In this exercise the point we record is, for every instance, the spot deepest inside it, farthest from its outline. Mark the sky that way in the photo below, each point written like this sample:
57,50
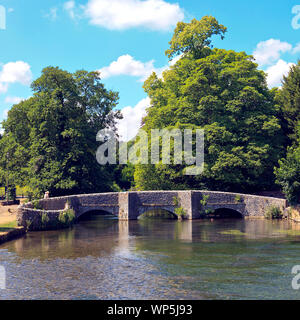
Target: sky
126,39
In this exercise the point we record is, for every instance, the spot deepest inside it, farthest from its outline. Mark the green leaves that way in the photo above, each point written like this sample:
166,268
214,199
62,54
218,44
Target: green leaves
288,175
54,133
222,92
193,37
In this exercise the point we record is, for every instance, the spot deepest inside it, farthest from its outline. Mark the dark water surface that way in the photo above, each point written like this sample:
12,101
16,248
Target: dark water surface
103,258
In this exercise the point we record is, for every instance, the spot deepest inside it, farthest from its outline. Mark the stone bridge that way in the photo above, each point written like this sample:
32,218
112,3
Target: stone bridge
130,205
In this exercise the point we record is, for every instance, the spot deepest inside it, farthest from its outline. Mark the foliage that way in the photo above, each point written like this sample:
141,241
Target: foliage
45,219
288,175
224,93
180,212
37,205
175,201
51,137
67,218
288,99
238,198
273,212
203,201
11,193
193,37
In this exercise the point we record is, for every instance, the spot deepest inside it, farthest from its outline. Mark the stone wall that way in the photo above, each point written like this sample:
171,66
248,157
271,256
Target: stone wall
129,205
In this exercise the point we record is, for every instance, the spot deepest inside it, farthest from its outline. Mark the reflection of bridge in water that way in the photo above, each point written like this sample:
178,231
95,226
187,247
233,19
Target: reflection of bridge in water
114,236
130,205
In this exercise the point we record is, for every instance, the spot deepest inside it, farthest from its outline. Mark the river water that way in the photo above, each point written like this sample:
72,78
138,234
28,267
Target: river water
103,258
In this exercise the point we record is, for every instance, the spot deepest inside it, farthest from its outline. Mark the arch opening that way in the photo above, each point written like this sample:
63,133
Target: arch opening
157,214
96,215
225,213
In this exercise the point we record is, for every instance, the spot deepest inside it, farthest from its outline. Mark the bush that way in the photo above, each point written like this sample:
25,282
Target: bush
288,175
45,220
67,218
273,212
180,212
238,198
11,193
37,205
175,201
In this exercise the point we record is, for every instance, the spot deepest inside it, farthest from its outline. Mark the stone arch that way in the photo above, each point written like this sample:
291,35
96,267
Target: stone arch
228,213
143,209
86,210
240,209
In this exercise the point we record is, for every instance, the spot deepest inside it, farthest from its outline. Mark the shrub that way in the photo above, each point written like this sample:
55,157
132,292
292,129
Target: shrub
204,200
45,219
37,205
175,201
288,175
180,212
203,203
273,212
238,198
67,218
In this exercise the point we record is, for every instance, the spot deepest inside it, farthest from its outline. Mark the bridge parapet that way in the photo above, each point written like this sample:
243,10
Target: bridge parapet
129,205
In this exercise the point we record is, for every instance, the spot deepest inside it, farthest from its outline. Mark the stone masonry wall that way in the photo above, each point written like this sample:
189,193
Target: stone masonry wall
129,205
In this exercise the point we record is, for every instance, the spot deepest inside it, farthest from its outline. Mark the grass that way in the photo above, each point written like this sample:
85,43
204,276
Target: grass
234,232
289,232
8,226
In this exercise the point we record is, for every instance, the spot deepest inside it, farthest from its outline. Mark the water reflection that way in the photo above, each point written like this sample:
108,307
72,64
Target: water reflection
103,258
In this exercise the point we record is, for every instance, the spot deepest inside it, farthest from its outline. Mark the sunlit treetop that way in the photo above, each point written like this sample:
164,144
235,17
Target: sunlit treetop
193,37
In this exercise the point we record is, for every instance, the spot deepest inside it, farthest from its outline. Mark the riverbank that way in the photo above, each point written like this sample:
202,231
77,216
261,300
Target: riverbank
9,229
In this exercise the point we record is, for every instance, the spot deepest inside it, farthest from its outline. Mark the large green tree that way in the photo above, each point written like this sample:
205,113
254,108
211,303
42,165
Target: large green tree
54,133
288,175
222,92
288,99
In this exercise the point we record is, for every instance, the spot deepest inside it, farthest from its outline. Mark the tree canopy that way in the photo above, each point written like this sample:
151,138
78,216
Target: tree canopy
288,99
288,172
51,137
193,37
222,92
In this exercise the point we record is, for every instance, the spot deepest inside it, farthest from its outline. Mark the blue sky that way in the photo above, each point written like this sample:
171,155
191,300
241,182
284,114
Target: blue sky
126,40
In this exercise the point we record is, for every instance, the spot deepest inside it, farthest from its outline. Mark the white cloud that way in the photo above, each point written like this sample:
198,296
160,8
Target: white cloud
129,126
69,6
126,14
11,10
18,71
13,100
267,52
296,48
127,65
52,15
276,72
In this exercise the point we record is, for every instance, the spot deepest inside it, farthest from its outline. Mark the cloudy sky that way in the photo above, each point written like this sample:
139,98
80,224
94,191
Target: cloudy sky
126,41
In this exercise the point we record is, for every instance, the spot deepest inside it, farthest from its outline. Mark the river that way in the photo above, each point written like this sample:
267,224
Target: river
103,258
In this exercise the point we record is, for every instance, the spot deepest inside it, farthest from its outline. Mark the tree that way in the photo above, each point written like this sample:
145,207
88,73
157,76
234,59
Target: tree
193,37
288,175
55,133
288,99
224,93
